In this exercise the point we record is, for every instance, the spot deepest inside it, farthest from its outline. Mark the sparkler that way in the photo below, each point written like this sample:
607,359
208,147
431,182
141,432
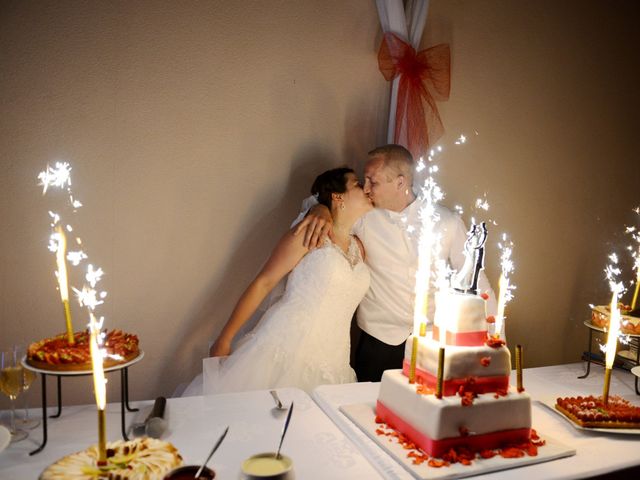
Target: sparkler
430,195
635,253
63,279
612,271
99,385
505,285
88,297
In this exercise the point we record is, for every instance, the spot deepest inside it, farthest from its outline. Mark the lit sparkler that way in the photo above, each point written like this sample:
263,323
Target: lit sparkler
430,195
57,176
612,272
99,385
59,242
505,285
88,297
635,253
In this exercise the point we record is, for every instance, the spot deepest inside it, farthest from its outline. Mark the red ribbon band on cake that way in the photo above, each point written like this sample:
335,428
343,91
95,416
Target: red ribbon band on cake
461,339
452,386
425,77
437,448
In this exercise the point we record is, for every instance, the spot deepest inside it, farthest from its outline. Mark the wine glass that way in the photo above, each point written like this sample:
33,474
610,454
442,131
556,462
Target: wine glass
28,377
11,386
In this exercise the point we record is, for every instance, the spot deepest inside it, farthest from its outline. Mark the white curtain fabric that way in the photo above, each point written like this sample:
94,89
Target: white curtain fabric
408,23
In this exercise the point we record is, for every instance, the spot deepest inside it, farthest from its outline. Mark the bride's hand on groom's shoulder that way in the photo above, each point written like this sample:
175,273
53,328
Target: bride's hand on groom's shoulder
316,226
220,348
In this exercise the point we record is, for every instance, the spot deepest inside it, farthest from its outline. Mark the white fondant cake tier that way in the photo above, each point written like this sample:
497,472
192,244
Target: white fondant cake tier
460,312
460,362
433,423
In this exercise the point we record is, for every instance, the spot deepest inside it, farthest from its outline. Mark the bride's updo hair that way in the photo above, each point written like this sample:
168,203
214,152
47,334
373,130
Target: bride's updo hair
331,181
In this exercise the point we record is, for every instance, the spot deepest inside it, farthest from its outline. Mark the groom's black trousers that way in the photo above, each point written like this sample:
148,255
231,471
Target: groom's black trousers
374,357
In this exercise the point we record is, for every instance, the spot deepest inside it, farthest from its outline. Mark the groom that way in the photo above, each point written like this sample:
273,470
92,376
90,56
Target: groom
389,235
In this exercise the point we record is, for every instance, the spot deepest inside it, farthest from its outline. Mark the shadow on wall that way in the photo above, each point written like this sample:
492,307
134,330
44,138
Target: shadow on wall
365,129
186,360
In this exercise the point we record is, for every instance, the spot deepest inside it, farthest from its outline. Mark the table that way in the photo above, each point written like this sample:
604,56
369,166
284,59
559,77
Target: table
124,391
597,453
318,448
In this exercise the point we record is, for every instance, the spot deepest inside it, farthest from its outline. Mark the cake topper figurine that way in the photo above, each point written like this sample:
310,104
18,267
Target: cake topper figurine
466,280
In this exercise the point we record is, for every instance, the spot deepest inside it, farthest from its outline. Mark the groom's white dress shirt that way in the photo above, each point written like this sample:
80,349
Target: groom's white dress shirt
386,312
391,249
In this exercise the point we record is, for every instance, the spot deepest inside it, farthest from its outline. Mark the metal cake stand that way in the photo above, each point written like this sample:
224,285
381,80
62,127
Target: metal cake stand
589,357
124,391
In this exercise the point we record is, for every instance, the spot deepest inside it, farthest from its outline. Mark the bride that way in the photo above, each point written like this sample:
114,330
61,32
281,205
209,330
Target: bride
303,339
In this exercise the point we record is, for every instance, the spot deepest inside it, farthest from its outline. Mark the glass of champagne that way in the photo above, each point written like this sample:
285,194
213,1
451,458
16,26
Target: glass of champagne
28,376
11,386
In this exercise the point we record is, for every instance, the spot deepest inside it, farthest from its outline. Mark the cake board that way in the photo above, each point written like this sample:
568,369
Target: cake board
363,416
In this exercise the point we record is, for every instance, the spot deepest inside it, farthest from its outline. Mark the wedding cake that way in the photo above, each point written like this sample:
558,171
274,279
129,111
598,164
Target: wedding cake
478,410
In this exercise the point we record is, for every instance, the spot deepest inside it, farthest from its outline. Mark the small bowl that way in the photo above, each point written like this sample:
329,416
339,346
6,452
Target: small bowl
265,466
188,472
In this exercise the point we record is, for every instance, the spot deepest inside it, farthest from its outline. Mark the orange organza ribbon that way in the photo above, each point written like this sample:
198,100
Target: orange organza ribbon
424,78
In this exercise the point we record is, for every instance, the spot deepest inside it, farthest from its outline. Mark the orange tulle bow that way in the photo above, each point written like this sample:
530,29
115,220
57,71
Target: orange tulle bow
424,78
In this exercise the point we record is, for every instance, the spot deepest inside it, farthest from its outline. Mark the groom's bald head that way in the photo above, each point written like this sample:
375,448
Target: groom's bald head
388,177
396,158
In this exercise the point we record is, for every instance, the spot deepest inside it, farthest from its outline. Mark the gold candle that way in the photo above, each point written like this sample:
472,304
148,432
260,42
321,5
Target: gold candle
63,282
440,372
635,292
102,438
414,355
605,390
519,368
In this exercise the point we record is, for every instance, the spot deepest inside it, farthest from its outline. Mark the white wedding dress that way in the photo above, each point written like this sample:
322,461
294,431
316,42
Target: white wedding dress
303,340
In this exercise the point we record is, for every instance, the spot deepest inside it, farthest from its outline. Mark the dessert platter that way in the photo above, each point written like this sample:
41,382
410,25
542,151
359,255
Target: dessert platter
142,458
629,319
587,413
478,423
56,354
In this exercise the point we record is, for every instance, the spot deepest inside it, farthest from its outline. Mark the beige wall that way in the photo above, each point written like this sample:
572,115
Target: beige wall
195,128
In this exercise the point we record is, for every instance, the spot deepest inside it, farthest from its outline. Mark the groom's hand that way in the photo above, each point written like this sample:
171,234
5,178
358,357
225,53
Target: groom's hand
316,226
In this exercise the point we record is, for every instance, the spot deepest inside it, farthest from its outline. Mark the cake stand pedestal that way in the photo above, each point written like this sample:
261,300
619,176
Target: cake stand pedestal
124,392
590,357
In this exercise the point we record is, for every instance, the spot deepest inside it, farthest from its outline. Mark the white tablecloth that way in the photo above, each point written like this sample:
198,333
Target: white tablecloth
318,448
597,453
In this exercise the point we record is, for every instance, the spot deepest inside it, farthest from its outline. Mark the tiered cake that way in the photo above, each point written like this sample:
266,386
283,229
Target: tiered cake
478,410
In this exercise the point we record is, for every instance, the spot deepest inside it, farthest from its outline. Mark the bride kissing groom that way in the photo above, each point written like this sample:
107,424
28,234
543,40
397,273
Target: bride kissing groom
303,340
